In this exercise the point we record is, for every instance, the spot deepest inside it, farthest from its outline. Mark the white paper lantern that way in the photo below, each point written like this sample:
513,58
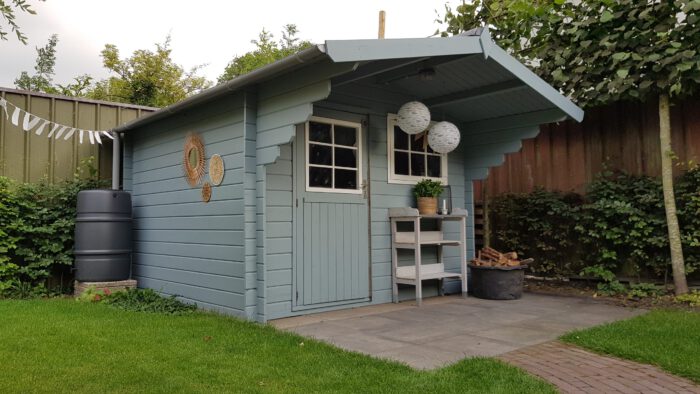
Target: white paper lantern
413,117
443,137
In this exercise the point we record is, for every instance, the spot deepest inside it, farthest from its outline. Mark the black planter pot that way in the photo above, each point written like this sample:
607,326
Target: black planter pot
497,283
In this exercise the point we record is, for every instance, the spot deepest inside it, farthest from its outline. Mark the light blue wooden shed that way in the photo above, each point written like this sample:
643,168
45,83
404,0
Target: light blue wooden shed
313,161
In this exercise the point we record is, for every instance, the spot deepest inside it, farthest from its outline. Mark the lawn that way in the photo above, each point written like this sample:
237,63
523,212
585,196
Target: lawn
667,338
66,346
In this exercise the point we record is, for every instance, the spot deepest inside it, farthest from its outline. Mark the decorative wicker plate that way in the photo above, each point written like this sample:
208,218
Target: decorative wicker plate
193,160
216,169
206,192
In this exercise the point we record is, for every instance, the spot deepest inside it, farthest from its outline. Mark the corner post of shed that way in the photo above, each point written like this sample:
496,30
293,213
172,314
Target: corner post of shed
116,161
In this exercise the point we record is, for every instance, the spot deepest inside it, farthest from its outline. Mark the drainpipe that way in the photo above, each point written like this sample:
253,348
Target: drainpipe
116,161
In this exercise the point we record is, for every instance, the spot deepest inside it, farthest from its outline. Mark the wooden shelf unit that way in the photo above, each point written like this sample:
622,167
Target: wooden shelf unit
415,274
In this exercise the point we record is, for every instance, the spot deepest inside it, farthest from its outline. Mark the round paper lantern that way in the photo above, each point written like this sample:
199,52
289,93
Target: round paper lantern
443,137
413,117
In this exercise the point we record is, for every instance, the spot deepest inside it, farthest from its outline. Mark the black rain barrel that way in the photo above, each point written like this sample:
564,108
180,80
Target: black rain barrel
103,236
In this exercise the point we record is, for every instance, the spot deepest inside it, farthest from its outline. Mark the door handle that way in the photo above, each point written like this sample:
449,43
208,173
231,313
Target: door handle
364,189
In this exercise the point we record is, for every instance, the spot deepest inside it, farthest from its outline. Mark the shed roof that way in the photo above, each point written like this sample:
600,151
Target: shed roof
470,69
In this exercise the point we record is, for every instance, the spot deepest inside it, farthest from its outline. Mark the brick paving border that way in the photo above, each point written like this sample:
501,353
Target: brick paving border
574,370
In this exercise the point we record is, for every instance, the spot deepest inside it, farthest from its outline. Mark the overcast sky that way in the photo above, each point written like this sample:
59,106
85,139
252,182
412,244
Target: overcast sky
203,31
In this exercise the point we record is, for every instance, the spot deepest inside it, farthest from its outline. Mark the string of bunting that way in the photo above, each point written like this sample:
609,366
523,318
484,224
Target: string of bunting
40,125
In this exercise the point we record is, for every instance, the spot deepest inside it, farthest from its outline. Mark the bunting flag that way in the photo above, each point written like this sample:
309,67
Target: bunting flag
31,122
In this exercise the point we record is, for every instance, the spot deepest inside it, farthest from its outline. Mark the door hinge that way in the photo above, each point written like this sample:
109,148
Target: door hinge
297,203
297,296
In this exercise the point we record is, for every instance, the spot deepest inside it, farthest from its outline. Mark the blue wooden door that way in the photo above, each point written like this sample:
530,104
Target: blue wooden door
331,244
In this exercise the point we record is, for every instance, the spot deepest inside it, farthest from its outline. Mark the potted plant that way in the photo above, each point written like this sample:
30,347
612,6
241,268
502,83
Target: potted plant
427,192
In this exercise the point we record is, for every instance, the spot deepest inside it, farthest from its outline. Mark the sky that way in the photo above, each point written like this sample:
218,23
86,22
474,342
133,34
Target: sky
203,32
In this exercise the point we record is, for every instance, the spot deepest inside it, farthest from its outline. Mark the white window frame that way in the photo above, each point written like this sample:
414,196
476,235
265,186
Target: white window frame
332,189
407,179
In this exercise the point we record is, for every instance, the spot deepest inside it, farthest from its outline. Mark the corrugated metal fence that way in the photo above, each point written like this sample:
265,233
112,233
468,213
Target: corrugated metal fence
28,157
568,155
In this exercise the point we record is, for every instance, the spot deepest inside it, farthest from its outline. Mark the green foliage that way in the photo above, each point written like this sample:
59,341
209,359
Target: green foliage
147,300
610,285
618,226
36,228
692,298
597,51
41,81
148,78
8,8
267,50
428,188
624,222
644,290
538,225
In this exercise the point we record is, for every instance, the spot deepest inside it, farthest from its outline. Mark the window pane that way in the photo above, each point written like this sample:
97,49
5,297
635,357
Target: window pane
400,138
346,157
345,136
401,163
320,132
417,142
345,179
320,154
417,164
319,177
434,166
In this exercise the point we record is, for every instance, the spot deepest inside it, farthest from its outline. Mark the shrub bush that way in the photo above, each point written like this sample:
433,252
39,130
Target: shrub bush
618,226
36,232
538,225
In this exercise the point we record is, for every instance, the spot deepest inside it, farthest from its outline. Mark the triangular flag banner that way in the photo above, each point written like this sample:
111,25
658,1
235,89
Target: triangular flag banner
30,121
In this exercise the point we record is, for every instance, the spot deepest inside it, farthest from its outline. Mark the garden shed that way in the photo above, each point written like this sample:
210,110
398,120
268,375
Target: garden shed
312,161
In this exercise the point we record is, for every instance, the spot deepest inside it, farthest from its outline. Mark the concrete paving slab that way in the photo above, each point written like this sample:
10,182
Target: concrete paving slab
446,329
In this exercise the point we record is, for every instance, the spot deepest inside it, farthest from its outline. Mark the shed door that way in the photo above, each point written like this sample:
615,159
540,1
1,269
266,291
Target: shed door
331,242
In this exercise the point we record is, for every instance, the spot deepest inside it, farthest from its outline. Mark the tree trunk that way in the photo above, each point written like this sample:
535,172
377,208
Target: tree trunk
674,234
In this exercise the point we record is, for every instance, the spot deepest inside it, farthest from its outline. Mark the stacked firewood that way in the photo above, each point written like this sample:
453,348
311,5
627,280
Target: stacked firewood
490,257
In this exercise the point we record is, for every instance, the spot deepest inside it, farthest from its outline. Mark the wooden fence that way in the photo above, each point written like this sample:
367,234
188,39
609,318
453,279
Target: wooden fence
27,157
568,155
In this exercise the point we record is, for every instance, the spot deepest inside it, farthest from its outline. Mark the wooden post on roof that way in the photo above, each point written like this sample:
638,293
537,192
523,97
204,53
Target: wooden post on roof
382,23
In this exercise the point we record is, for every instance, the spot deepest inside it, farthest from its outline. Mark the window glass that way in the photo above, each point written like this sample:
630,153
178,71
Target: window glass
345,157
411,158
434,166
401,163
320,176
417,164
345,179
320,132
345,135
320,154
333,156
400,139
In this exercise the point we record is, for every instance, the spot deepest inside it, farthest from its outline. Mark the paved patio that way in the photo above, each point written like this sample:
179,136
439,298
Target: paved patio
447,329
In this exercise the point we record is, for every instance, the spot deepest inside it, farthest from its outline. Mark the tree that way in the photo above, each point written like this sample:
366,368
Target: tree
42,81
267,51
601,51
149,78
8,8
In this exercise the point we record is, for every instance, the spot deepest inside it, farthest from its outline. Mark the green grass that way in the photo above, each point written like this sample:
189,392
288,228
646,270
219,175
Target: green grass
667,338
63,345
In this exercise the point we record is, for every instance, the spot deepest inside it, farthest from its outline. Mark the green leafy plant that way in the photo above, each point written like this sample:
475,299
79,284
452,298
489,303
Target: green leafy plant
147,300
93,294
609,285
539,225
36,231
644,290
692,298
428,188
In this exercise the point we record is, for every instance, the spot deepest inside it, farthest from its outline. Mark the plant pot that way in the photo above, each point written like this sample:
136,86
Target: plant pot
497,283
427,205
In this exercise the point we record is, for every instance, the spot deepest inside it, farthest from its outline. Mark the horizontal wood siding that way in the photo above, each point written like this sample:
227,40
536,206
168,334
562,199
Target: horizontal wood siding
279,200
182,245
623,136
